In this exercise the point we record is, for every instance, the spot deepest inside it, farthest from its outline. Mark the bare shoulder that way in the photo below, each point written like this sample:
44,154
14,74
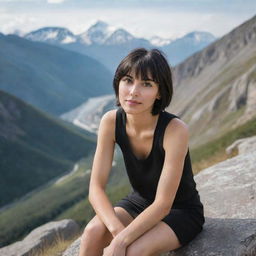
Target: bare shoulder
109,116
177,125
176,130
108,122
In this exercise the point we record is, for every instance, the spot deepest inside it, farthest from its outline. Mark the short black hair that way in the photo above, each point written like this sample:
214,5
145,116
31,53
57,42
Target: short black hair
143,62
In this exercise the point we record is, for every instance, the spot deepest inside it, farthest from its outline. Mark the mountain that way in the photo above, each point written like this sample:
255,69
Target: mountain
120,36
52,35
35,147
96,34
49,77
215,89
89,114
182,48
109,45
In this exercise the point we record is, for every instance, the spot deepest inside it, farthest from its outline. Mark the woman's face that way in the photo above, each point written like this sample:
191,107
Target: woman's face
136,95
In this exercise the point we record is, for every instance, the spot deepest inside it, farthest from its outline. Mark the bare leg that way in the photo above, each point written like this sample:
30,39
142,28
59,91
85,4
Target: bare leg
160,239
96,235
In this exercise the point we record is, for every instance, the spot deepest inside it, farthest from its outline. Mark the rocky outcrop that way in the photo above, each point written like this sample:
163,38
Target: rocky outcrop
73,249
244,145
228,191
223,237
42,237
220,237
215,89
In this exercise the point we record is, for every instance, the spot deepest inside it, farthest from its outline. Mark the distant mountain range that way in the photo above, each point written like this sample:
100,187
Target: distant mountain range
214,89
35,147
51,78
109,45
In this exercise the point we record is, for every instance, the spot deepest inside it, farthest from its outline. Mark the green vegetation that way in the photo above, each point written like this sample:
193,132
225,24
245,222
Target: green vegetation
35,148
49,77
68,198
214,151
50,204
43,205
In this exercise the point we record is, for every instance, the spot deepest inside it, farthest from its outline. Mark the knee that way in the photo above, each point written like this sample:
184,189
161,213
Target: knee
93,231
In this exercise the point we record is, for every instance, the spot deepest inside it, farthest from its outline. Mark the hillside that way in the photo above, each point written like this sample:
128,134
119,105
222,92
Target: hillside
49,77
35,147
215,89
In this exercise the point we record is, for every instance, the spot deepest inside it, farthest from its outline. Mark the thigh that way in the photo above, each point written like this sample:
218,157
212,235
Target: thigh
186,223
97,228
159,239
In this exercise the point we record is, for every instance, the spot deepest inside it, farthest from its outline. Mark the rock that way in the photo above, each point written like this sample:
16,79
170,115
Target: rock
73,249
228,193
220,237
42,237
223,237
243,145
228,189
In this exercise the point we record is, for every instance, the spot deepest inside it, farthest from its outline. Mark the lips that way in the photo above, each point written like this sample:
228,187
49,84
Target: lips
133,101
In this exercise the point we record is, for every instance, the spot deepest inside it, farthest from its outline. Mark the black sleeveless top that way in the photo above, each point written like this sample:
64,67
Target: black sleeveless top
144,174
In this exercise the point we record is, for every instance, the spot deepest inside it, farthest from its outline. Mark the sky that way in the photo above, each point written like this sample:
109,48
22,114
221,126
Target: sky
142,18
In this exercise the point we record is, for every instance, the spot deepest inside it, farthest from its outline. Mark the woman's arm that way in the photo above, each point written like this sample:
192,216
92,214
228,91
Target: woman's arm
101,167
176,145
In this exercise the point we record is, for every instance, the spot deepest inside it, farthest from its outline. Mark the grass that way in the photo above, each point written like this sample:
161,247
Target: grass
50,204
214,151
58,246
43,206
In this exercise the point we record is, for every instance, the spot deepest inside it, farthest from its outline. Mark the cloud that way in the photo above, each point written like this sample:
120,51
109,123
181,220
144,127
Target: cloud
55,1
164,21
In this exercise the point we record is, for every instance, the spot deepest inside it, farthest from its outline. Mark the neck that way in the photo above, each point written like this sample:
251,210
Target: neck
141,122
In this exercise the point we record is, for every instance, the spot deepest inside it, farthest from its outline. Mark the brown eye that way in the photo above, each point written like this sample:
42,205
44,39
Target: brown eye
147,84
127,79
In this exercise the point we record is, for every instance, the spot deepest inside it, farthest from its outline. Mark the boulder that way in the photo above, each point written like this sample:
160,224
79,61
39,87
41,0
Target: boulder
228,189
228,192
243,145
42,237
73,249
223,237
220,237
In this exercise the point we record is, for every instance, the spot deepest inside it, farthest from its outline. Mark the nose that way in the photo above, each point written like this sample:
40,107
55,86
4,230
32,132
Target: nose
134,89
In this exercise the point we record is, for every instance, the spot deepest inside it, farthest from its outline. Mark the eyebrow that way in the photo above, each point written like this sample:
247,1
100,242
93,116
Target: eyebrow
147,79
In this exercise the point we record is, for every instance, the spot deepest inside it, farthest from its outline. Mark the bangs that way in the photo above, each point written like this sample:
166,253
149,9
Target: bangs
147,65
143,69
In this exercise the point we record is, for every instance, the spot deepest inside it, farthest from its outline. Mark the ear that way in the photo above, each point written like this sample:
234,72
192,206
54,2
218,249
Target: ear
158,96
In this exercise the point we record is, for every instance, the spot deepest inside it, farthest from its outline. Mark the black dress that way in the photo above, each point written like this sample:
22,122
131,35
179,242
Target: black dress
186,217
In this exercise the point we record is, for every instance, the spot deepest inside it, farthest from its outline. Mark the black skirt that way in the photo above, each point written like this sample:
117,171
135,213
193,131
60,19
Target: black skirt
185,222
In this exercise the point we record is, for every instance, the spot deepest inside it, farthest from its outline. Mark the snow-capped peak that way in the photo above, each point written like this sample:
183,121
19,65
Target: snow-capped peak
52,35
97,33
158,41
199,37
120,36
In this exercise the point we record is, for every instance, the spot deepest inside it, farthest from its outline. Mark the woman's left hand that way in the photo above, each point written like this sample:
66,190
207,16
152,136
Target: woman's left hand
114,249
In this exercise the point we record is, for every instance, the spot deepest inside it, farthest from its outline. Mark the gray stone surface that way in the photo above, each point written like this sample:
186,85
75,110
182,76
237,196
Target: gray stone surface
228,189
42,237
73,249
245,145
228,192
223,237
220,237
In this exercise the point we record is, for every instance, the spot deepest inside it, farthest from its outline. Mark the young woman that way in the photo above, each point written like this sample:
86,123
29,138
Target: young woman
163,212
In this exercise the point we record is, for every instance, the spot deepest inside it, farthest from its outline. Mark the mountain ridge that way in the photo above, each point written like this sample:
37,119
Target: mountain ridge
108,44
218,81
